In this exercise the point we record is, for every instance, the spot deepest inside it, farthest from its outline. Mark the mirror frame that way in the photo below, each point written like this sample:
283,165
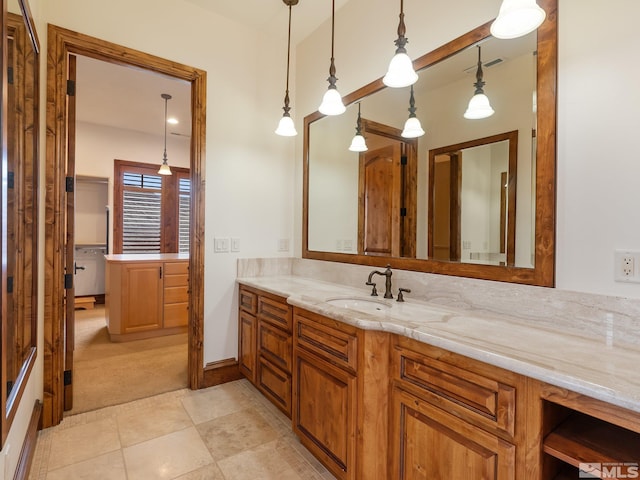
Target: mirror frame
543,273
27,197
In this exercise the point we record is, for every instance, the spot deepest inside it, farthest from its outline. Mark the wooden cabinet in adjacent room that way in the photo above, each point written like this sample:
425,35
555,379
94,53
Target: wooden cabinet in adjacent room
146,296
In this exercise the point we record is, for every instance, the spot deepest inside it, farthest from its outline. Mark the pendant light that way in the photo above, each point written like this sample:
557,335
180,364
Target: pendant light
358,143
479,106
164,168
332,100
400,73
412,127
286,128
517,18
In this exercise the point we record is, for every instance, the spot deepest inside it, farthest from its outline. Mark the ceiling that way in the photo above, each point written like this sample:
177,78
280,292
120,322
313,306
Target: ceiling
129,98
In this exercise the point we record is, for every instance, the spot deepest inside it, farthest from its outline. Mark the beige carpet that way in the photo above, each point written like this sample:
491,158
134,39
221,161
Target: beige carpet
106,373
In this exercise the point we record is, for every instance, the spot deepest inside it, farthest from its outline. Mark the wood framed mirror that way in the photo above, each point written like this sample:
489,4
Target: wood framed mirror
19,199
331,229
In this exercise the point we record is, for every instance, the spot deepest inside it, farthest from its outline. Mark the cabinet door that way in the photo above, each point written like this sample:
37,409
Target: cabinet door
247,345
141,297
427,442
324,412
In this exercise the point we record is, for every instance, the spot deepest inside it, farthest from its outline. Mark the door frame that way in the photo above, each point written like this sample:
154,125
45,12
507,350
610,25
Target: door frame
62,43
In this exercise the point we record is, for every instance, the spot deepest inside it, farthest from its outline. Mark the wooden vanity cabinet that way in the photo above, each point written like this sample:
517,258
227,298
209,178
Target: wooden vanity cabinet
340,395
453,417
265,345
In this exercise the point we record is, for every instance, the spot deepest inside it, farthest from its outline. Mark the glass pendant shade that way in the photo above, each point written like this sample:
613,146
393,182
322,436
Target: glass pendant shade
286,128
479,107
401,72
412,128
332,103
164,169
517,18
358,144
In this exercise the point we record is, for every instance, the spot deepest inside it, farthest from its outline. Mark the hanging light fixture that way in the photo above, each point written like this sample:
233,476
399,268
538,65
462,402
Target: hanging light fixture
412,127
517,18
479,106
400,73
358,143
332,100
286,128
164,168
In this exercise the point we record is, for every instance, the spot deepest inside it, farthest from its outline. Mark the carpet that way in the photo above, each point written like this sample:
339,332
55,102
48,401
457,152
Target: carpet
106,373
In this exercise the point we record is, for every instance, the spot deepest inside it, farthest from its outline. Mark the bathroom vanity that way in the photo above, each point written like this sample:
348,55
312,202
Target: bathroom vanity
378,389
147,295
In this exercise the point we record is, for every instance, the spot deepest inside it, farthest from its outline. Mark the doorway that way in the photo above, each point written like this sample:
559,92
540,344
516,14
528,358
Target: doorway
63,45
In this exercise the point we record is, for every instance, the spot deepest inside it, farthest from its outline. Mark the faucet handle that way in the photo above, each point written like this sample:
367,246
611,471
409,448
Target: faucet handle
374,292
400,296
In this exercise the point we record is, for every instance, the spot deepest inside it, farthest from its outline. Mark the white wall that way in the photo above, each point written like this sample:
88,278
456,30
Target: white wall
598,175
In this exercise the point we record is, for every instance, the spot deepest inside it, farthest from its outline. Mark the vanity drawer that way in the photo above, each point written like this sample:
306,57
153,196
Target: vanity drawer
334,341
248,301
275,311
275,384
488,402
176,268
275,344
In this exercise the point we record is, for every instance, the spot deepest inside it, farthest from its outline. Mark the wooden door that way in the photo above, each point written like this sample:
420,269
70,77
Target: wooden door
324,412
445,221
141,297
429,443
69,263
380,201
247,346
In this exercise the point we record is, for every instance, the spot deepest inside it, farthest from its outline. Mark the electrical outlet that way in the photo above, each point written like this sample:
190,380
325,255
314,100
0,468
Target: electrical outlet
347,245
626,262
283,245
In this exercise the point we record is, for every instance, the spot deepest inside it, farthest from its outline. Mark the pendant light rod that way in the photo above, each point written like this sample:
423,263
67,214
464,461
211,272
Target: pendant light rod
164,168
286,127
332,67
332,103
479,75
401,41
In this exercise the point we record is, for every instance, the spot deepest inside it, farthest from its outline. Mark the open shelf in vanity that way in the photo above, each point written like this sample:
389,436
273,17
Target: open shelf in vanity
579,434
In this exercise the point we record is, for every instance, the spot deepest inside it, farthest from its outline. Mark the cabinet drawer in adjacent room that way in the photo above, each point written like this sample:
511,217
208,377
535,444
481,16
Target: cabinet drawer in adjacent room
176,294
176,268
176,315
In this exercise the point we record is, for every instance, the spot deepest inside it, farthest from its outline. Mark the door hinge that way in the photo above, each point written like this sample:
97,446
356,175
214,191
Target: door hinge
68,184
403,212
10,179
68,377
403,160
71,88
9,284
68,281
10,75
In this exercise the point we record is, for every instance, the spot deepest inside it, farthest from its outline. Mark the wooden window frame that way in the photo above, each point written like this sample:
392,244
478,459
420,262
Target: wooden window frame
169,197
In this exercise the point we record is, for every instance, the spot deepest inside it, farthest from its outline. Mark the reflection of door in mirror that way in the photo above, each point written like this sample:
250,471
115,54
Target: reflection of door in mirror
472,208
387,193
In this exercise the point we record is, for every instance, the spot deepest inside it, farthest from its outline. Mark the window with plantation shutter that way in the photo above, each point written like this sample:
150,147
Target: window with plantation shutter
151,210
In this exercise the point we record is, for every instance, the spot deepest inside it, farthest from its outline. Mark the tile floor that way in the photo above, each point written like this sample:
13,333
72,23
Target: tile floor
227,432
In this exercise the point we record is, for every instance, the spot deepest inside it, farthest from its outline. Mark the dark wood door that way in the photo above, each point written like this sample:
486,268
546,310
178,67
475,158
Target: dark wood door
429,443
380,202
247,346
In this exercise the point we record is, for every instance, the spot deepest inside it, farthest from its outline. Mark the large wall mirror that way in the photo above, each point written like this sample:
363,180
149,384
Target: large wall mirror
20,202
472,198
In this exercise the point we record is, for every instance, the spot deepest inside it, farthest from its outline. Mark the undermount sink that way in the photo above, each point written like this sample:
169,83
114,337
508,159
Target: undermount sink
360,304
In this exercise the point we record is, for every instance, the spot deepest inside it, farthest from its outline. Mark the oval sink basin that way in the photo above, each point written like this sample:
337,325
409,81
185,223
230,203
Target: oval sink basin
365,305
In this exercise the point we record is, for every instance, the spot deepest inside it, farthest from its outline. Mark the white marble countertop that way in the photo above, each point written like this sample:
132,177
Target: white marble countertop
146,257
594,366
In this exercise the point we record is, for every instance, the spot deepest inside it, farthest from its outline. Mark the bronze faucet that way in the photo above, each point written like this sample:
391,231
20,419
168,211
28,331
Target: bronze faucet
387,291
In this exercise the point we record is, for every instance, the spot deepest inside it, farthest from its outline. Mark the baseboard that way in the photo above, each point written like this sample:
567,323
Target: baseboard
29,444
222,371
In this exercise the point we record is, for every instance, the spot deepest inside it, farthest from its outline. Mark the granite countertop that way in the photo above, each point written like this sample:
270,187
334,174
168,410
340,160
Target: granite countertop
145,257
594,366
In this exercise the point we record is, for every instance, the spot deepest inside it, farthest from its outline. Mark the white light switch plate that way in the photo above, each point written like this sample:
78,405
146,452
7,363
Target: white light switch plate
220,245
